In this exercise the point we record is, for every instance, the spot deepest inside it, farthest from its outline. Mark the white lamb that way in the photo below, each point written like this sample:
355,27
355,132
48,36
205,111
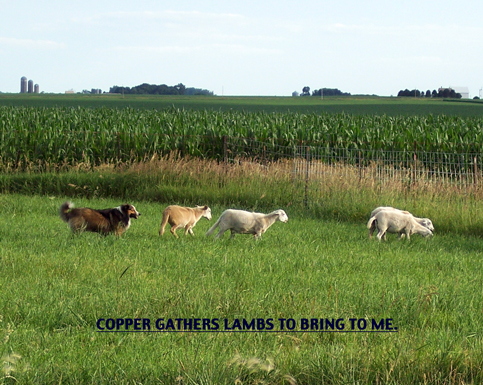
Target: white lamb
244,222
398,222
426,222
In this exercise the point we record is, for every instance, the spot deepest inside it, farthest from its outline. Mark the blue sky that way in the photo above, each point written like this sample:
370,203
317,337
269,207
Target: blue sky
243,47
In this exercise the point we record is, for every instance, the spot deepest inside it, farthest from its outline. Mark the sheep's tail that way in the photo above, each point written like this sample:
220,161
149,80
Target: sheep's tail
370,223
163,222
64,211
212,229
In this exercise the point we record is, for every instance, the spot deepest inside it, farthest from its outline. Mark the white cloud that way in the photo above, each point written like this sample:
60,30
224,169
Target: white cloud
156,50
175,17
238,49
31,44
424,31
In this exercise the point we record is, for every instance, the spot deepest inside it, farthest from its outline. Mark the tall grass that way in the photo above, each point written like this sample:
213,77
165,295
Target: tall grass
251,186
168,179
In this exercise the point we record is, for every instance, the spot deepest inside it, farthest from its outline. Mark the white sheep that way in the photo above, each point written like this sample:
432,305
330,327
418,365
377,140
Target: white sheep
426,222
186,217
244,222
398,222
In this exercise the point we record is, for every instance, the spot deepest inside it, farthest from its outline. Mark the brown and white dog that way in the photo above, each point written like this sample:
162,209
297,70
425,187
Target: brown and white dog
116,220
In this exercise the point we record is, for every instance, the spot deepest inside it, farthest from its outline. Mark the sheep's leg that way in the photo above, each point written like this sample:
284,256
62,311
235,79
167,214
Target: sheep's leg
232,234
371,230
381,234
187,229
220,233
173,231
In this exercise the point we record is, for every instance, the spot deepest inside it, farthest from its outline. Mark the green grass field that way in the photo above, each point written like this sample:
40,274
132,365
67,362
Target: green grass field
391,106
55,286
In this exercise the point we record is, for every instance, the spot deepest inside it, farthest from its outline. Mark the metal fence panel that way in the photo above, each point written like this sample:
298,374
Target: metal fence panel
314,164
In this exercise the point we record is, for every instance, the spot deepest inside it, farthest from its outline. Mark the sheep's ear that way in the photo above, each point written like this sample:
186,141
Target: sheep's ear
205,207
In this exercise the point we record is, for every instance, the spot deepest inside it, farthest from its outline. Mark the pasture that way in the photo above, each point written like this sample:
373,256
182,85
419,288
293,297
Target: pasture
55,286
102,151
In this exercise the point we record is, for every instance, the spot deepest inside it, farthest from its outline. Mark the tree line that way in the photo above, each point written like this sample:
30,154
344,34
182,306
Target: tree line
441,93
161,89
323,92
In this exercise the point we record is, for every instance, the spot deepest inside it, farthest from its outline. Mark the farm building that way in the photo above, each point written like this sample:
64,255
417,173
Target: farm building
463,91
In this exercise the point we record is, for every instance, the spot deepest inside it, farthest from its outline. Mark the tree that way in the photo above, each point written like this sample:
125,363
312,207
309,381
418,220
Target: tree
181,88
306,91
413,93
446,93
329,92
151,89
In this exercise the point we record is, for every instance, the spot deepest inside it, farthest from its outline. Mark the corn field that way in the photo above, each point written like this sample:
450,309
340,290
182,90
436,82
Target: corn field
439,147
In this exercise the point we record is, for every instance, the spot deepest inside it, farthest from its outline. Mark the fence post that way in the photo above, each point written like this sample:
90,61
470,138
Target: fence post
307,161
225,150
360,166
118,146
475,171
415,158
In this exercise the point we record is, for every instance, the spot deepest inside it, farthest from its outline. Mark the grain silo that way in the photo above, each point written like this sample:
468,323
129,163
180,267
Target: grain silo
31,86
23,84
36,89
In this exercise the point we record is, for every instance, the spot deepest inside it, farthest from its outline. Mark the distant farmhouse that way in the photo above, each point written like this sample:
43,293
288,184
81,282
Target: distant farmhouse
463,91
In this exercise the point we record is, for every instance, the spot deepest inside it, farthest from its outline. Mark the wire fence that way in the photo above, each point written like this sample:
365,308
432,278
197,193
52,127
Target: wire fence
311,162
408,169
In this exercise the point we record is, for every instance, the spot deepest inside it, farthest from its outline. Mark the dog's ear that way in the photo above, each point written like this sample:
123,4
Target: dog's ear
125,208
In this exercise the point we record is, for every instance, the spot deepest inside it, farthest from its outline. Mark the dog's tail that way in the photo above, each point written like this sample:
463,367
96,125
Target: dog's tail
212,229
64,211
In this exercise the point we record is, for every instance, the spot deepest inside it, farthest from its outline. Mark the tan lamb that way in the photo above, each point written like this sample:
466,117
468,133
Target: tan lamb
183,217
